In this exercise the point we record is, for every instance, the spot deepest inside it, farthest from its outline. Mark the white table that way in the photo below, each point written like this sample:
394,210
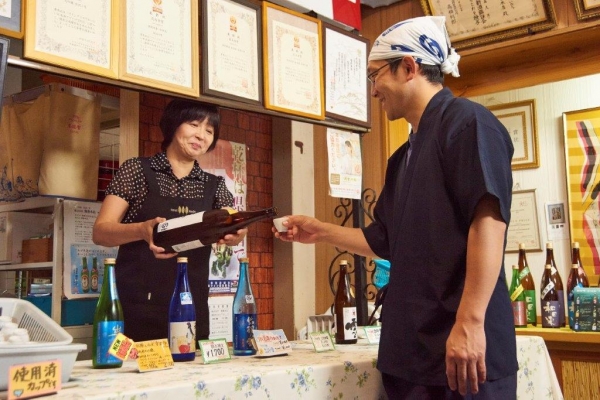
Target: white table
536,376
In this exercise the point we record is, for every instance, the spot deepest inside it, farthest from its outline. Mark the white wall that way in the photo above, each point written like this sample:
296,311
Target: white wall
549,180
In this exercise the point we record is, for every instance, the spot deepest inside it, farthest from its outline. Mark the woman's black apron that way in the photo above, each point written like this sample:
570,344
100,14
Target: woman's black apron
146,284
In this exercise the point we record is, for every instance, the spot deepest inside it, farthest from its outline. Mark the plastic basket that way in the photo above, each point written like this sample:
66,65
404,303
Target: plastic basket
42,329
382,273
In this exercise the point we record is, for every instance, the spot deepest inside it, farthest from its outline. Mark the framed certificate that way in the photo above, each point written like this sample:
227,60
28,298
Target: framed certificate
12,18
524,226
587,9
159,46
76,34
292,62
231,61
471,23
346,89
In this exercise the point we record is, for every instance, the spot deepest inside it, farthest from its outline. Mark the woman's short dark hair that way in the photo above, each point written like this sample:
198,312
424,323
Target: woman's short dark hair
179,111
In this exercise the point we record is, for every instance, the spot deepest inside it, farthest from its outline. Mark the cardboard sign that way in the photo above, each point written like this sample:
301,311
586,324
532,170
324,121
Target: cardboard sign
271,343
373,334
121,347
36,379
153,355
214,351
322,341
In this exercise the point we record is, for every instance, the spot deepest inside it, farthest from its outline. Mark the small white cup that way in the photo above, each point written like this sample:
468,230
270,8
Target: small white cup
278,222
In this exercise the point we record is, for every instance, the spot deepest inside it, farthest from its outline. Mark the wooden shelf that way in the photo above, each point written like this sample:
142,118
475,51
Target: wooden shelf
564,338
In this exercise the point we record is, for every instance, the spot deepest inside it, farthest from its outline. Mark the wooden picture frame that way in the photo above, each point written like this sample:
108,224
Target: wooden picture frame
347,95
12,19
502,20
524,225
587,9
582,145
159,46
231,50
50,40
293,62
520,120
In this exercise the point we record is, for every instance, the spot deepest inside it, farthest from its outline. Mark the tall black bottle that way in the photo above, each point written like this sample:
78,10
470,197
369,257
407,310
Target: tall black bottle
345,309
182,317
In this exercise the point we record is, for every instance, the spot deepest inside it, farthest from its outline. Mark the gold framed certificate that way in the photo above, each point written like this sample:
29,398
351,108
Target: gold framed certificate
346,90
76,34
231,61
587,9
12,18
292,62
159,46
471,23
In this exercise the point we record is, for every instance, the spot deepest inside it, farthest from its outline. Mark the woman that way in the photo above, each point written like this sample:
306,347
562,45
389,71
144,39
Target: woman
147,191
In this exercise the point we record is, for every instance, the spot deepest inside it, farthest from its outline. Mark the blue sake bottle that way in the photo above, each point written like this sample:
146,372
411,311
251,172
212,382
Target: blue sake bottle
244,314
108,320
182,317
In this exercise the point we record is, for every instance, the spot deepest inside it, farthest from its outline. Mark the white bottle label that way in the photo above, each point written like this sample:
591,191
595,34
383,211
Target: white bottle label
182,337
349,318
249,299
187,246
185,298
180,221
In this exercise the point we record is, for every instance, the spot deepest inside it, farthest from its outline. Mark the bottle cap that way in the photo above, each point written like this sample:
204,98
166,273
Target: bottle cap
182,259
109,261
515,267
244,259
576,245
522,246
548,245
343,262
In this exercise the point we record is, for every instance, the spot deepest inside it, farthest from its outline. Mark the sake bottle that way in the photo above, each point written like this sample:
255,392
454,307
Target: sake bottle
558,284
549,300
85,276
576,259
345,309
528,286
94,275
244,314
204,228
574,280
182,317
108,320
517,299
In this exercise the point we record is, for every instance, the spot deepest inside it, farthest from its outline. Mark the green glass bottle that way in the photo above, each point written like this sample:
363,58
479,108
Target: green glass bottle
108,320
517,299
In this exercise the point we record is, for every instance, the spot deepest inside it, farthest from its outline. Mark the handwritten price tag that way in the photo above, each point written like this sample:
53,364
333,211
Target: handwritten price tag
153,355
214,351
373,333
271,343
321,341
35,379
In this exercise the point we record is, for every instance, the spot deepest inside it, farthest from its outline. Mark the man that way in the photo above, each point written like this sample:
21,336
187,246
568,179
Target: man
441,221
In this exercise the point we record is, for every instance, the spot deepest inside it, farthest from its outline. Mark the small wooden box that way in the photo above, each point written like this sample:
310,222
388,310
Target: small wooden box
36,250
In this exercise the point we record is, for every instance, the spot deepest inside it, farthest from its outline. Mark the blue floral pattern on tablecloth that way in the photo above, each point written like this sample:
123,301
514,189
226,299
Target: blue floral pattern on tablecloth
536,378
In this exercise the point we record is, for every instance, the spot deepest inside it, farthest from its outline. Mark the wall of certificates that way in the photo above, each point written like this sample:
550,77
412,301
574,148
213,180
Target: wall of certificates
250,52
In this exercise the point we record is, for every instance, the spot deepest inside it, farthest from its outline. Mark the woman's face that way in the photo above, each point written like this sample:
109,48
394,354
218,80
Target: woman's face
193,138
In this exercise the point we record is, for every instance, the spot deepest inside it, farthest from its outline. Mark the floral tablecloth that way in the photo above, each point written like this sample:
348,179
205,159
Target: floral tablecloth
348,372
536,377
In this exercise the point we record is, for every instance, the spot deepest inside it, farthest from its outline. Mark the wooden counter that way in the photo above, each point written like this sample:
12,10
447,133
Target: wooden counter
575,357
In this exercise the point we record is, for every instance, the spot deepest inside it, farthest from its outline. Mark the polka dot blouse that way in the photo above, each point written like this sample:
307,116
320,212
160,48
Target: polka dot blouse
129,183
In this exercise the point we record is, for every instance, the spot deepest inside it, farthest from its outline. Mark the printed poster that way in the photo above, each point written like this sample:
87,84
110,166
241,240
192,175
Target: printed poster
345,164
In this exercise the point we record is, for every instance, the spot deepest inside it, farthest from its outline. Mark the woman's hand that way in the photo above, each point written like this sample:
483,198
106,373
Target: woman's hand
147,230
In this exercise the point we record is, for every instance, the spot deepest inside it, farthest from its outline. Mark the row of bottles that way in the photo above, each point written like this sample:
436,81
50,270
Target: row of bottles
109,321
552,292
89,280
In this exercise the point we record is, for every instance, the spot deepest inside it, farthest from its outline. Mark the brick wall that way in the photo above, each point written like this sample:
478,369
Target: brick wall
255,131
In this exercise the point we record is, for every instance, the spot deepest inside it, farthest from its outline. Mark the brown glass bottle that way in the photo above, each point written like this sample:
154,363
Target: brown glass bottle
345,309
574,280
576,259
558,284
549,300
204,228
528,286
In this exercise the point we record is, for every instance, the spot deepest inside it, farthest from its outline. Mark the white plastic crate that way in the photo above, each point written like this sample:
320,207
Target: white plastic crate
43,330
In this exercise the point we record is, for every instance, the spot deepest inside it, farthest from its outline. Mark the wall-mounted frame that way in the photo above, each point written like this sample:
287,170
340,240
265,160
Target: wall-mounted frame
4,45
587,9
159,46
345,65
231,50
12,18
524,224
582,147
293,62
500,20
84,37
520,120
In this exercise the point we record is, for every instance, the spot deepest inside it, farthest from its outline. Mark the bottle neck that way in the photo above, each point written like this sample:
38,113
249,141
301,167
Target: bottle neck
109,285
182,277
244,282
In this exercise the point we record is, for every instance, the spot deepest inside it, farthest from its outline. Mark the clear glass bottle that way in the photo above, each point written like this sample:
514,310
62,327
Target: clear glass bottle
85,276
108,320
345,309
94,275
558,283
244,314
182,317
517,299
528,286
549,300
574,280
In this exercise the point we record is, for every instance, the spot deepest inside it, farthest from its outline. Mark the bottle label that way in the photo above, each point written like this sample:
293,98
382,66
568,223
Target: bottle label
94,282
517,292
182,337
349,318
519,313
85,282
552,270
531,306
548,288
550,314
185,298
249,298
524,273
107,333
180,221
243,331
194,244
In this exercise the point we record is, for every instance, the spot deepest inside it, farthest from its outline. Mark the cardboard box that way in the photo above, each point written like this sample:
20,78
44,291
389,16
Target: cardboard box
587,309
36,250
15,227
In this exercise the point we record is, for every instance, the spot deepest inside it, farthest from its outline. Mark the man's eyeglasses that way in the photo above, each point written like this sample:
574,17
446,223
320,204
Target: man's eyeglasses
373,75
